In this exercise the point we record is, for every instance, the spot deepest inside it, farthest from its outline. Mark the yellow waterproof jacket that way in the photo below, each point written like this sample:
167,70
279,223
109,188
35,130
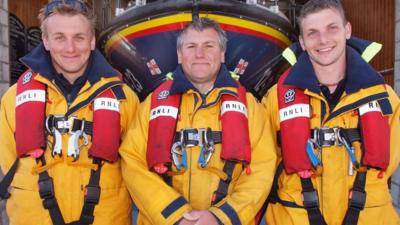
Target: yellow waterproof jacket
162,204
333,186
25,205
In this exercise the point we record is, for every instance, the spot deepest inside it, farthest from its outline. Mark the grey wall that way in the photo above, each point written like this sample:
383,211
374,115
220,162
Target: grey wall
4,52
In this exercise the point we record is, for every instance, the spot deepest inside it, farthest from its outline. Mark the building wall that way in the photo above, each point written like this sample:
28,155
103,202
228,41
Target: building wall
4,50
396,177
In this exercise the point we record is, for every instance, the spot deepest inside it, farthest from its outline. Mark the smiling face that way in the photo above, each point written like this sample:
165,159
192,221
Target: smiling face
69,40
323,36
201,56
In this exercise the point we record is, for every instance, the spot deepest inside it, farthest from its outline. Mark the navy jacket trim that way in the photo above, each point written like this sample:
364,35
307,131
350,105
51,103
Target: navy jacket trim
118,92
385,106
173,206
181,84
231,213
92,96
358,104
222,92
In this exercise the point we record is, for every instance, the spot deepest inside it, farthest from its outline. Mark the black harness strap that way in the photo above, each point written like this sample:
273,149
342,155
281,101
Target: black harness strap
92,196
356,200
311,202
46,192
223,185
7,179
273,194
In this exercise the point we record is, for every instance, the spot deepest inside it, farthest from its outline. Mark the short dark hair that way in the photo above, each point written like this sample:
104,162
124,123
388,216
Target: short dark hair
313,6
200,24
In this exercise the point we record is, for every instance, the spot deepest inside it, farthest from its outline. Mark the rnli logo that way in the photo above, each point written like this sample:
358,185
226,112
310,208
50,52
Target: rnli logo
163,95
27,77
289,96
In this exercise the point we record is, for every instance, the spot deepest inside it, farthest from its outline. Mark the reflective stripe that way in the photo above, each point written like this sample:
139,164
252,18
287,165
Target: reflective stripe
369,107
234,75
31,96
173,206
233,106
169,76
164,111
289,55
106,104
371,51
294,111
231,213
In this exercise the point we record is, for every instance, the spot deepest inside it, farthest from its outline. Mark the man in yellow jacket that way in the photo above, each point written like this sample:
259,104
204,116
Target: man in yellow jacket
199,153
337,123
61,126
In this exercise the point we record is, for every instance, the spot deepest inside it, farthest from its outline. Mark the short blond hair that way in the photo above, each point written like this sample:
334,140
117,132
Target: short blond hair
63,7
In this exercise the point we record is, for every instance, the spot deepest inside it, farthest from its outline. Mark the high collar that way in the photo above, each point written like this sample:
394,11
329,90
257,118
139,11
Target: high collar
359,74
181,84
39,61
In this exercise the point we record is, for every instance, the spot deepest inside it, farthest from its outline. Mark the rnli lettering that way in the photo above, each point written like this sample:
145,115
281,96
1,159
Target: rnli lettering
370,107
164,111
106,104
233,106
31,96
294,111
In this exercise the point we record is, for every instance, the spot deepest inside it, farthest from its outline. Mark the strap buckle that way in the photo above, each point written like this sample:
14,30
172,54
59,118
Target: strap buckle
310,199
46,188
357,199
190,137
326,136
92,194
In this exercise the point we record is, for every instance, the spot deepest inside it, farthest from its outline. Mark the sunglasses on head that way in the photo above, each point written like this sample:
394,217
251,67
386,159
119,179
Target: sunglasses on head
76,4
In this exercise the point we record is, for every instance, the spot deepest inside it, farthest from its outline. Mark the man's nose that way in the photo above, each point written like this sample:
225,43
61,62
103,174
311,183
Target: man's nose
323,37
199,52
69,45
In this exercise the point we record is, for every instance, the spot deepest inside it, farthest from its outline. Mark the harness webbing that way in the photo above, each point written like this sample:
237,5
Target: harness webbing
356,200
92,196
223,185
311,202
7,179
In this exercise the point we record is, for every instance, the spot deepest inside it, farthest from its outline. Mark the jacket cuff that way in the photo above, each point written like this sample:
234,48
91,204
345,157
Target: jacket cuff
226,214
218,220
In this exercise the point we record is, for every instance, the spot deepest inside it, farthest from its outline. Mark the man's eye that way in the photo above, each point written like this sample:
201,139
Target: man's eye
333,28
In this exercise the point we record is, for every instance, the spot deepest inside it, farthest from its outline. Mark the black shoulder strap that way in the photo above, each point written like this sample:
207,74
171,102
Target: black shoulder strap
92,196
311,202
223,185
273,194
8,178
356,200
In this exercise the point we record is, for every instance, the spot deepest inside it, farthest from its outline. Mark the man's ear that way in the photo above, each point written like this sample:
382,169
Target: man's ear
46,42
93,43
302,43
179,56
347,28
223,57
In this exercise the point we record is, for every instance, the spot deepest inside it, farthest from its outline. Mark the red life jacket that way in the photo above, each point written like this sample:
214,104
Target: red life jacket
294,112
30,116
163,119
